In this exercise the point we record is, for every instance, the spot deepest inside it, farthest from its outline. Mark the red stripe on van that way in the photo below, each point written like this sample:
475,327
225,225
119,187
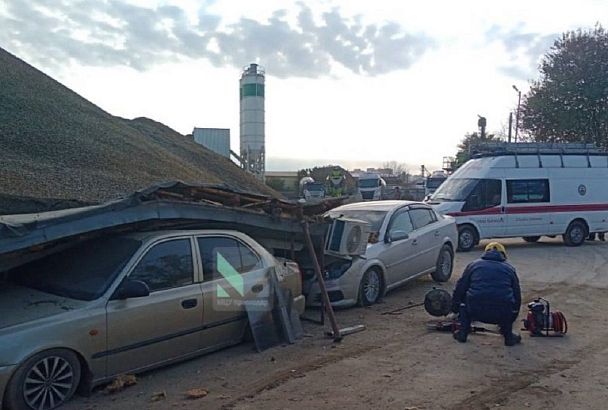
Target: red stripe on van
534,209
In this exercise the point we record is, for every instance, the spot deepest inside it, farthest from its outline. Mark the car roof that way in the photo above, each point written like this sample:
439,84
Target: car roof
146,235
375,205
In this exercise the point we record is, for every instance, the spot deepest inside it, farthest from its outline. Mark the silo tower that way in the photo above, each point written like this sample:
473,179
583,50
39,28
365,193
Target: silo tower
253,152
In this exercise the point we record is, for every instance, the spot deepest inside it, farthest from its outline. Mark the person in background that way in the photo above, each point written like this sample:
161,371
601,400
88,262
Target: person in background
488,292
397,193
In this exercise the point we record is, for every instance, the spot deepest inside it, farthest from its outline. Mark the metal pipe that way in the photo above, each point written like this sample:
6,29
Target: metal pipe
517,114
327,304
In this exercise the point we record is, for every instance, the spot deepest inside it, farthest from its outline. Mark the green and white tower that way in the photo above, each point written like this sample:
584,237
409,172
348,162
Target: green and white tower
252,123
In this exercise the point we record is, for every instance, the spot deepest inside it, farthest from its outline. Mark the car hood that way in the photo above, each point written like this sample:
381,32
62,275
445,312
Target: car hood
20,305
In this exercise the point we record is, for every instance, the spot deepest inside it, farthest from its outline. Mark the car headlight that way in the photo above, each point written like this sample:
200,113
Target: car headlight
337,269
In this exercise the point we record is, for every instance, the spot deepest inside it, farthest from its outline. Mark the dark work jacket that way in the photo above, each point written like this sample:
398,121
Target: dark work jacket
489,281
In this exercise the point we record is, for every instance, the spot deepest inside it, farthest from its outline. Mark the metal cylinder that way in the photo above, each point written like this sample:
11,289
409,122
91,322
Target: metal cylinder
252,120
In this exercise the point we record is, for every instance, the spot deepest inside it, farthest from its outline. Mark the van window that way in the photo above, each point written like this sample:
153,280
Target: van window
486,194
528,190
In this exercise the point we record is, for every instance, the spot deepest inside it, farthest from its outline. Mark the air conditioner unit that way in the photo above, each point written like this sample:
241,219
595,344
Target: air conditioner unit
347,237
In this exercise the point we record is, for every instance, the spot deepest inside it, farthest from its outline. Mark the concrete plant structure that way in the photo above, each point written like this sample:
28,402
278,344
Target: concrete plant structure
252,122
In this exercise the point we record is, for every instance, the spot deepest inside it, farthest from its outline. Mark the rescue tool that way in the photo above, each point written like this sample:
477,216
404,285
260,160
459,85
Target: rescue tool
541,322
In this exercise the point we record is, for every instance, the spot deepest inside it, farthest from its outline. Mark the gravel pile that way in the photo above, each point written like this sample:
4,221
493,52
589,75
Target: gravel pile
58,146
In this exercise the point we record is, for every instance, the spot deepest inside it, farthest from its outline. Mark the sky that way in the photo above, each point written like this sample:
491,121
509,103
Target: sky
354,82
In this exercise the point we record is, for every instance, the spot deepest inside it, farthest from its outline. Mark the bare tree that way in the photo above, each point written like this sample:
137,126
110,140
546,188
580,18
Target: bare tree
399,168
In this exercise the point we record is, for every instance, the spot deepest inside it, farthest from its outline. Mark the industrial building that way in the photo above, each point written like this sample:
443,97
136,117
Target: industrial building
252,124
214,139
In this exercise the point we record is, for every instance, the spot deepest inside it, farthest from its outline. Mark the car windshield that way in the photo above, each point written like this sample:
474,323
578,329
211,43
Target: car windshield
374,218
455,190
82,272
316,187
368,183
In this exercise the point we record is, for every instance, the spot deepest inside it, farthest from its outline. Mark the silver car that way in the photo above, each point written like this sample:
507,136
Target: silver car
126,304
408,239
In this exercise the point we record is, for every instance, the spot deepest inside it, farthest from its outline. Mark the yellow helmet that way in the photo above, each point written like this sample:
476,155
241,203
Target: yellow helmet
496,246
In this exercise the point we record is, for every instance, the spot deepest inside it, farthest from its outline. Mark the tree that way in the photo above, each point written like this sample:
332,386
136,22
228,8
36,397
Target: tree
569,103
467,146
398,168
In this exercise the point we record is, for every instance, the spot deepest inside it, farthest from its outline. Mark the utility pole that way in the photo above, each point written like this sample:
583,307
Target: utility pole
517,114
510,126
481,123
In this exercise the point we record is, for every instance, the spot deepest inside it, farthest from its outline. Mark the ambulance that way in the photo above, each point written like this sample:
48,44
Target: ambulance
528,190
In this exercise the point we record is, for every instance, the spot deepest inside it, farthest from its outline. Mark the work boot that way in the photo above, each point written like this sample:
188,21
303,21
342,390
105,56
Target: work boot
460,336
512,339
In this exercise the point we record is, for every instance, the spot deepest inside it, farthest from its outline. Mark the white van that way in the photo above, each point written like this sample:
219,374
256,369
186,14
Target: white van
529,191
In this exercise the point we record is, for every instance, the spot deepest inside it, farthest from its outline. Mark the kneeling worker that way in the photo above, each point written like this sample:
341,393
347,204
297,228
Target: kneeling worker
488,292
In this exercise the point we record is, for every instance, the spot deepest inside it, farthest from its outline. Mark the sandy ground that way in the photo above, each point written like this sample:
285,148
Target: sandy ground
397,364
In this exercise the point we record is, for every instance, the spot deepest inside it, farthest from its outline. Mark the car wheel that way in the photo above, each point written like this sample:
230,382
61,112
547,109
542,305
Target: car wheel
370,288
575,234
45,381
466,238
444,266
531,238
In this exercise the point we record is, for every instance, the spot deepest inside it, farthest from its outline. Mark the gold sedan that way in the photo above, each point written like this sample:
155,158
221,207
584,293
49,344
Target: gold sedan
128,303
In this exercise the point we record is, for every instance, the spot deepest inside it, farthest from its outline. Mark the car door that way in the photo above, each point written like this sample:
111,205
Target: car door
400,248
164,325
485,207
232,274
428,238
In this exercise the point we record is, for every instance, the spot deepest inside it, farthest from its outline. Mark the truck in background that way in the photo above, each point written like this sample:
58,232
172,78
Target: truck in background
371,187
311,190
434,181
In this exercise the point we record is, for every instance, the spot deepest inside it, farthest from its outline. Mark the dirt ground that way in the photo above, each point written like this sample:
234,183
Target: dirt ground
397,364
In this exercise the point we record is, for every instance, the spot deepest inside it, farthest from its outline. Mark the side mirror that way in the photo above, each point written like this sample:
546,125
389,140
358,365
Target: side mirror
132,289
396,235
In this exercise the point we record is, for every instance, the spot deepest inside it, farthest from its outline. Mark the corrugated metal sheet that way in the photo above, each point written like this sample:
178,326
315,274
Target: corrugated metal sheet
214,139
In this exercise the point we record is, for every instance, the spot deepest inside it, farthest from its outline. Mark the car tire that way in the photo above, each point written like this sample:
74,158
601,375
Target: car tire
444,265
576,234
370,287
44,381
531,239
467,238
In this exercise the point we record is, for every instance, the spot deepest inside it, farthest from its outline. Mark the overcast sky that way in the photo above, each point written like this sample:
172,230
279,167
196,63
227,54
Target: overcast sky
353,82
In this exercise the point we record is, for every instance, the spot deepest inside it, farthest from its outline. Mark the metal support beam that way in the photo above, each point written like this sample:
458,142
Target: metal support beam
325,297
